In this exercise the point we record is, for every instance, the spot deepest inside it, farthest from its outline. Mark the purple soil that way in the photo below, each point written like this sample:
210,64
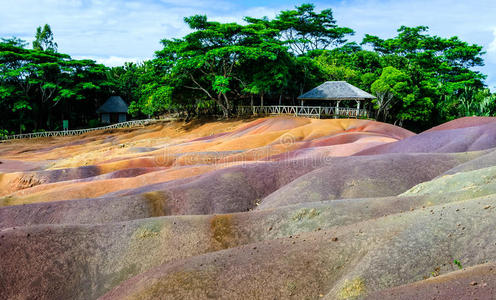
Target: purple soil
9,165
442,141
363,176
487,159
463,123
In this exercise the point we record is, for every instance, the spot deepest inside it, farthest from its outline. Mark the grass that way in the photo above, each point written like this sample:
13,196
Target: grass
352,289
305,213
458,263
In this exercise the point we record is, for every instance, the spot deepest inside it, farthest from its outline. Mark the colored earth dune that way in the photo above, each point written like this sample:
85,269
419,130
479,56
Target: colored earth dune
271,208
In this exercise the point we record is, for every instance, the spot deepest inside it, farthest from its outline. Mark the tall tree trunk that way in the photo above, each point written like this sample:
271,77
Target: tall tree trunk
227,106
225,112
221,104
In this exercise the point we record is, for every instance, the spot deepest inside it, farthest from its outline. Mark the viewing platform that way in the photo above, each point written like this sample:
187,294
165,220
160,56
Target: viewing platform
305,111
328,93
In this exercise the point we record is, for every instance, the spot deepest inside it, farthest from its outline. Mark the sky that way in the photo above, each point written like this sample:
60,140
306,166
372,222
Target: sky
114,31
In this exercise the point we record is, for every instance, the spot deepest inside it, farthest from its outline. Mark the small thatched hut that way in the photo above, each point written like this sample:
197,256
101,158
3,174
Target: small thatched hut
114,110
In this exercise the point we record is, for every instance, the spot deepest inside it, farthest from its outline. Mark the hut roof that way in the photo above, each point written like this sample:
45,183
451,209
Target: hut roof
114,104
336,90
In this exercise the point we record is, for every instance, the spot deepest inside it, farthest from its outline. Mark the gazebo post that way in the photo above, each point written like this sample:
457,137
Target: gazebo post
337,109
302,102
358,108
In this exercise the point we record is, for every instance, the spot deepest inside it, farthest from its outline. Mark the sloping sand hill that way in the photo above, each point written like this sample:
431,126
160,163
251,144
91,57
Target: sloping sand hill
272,208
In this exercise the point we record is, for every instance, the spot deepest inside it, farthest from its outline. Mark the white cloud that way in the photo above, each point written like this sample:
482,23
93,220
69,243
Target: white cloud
492,45
109,30
113,61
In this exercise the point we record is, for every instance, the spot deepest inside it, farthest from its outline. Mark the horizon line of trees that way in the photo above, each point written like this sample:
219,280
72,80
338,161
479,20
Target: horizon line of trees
420,80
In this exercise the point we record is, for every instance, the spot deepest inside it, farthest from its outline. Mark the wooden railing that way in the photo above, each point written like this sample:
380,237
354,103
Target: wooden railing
127,124
306,111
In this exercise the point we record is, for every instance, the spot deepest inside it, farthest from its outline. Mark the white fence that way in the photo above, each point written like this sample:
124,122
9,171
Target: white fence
307,111
82,131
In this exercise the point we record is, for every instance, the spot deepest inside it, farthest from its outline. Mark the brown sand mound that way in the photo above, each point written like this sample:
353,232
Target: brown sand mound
477,282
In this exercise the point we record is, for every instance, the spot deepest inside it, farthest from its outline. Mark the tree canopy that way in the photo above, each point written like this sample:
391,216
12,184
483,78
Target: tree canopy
304,29
212,61
419,80
39,88
43,39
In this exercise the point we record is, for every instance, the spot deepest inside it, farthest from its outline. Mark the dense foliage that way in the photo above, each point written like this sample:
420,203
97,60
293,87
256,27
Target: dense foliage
419,80
40,87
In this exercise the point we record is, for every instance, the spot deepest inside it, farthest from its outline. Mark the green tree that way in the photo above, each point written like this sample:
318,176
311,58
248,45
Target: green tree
14,41
44,39
437,67
474,102
136,82
352,64
394,95
306,33
210,60
389,89
304,29
41,88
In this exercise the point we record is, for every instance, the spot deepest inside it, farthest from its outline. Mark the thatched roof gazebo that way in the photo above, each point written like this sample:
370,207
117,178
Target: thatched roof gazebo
336,91
114,110
328,91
